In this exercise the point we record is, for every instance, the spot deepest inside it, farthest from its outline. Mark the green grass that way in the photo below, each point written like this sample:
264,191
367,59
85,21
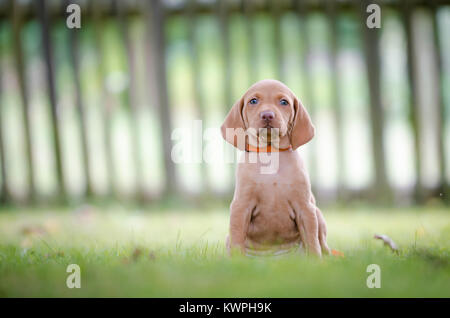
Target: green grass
181,254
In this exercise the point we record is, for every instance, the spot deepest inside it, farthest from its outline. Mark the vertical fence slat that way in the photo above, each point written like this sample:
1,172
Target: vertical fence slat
105,98
276,15
198,91
333,14
45,22
130,97
24,94
406,17
156,32
440,127
308,94
251,41
371,48
224,27
5,194
74,59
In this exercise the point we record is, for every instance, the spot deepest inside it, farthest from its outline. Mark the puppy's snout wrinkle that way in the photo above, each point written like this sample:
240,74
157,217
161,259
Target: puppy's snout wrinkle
267,115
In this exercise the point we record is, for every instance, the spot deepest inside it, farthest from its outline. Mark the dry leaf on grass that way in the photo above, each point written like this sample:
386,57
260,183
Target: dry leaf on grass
387,241
33,230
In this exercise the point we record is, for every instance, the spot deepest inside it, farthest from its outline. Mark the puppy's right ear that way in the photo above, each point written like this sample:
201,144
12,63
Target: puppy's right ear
233,128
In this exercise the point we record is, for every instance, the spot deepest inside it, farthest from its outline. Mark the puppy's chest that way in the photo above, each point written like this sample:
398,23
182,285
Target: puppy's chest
271,190
274,198
273,218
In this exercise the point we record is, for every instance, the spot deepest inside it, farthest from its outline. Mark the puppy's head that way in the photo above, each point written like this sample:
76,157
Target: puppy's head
268,106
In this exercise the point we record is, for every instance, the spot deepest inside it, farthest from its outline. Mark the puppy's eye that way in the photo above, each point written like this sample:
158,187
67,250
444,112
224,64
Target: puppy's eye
253,101
284,102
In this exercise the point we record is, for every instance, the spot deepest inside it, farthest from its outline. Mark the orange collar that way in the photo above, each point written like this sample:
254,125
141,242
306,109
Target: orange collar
251,148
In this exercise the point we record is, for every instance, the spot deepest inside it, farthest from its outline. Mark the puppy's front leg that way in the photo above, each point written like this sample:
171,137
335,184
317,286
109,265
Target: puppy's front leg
322,228
322,232
239,222
308,226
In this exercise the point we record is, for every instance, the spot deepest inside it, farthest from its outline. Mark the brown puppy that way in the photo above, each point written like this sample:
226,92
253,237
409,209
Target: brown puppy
273,207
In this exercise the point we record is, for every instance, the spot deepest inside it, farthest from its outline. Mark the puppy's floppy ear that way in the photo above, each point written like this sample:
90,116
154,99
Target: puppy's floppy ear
233,128
302,129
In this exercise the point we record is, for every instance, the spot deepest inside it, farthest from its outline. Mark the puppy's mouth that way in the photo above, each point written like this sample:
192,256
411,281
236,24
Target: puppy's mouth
265,131
268,130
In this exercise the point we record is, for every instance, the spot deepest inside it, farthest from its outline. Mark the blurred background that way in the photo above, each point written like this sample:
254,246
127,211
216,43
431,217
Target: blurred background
88,114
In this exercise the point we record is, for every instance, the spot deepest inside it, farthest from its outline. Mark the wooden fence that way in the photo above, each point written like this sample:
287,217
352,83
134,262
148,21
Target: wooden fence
22,21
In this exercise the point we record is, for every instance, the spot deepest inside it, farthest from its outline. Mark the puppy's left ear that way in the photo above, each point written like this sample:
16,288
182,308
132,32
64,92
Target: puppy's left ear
302,129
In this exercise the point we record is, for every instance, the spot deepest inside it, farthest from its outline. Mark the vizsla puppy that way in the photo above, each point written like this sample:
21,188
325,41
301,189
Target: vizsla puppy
273,208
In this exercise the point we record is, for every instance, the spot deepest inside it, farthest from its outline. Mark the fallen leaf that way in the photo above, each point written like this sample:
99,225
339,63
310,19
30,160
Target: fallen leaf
387,241
33,230
337,253
136,253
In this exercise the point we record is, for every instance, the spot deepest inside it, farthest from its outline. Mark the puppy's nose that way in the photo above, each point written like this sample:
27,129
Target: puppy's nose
267,115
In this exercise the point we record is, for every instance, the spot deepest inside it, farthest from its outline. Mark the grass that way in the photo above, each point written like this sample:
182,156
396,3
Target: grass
181,254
